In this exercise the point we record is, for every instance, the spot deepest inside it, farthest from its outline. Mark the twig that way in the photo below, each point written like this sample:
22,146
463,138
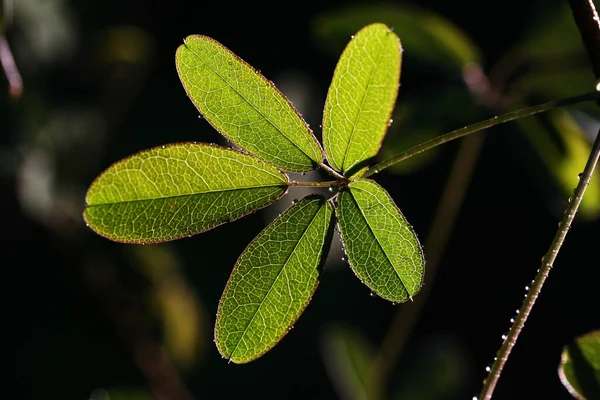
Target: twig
586,18
315,184
542,274
331,171
467,130
588,22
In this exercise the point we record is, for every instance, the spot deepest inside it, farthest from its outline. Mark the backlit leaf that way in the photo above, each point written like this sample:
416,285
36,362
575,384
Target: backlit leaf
382,248
178,190
579,368
244,106
361,98
273,281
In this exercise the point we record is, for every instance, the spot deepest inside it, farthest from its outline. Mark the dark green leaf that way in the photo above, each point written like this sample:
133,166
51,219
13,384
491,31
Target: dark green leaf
433,368
579,369
425,35
557,63
563,148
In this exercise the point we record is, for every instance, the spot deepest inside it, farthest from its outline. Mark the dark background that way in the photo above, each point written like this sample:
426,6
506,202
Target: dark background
81,312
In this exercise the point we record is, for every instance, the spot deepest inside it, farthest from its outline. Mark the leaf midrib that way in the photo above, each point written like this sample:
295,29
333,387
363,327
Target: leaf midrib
377,239
274,281
249,103
362,102
186,194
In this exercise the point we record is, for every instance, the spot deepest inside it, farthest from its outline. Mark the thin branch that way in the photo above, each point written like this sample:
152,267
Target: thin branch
467,130
315,184
331,171
586,18
542,274
588,22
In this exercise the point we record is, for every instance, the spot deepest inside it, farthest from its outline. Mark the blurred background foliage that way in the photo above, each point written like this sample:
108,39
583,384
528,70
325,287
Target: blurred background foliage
93,319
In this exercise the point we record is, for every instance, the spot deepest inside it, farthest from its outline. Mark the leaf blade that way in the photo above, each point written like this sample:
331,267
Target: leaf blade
244,106
579,368
249,321
169,192
392,265
361,98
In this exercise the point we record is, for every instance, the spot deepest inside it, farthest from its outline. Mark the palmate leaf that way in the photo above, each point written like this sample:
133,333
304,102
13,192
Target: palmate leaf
273,280
244,106
178,190
361,98
382,248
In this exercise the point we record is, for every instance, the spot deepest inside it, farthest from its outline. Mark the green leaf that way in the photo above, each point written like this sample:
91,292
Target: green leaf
579,368
552,33
178,190
382,248
361,98
556,59
273,281
349,360
426,35
244,106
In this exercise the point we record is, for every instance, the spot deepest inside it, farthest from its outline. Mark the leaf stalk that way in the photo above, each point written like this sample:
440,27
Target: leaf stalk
479,126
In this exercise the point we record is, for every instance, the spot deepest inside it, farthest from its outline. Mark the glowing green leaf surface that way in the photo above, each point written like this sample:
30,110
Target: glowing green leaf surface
273,281
361,98
382,248
173,191
244,106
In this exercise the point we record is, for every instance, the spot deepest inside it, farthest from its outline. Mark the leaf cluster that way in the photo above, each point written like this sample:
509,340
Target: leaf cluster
182,189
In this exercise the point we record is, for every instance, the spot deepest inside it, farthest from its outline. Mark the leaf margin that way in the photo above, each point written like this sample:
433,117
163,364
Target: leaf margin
322,259
162,147
265,80
409,227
